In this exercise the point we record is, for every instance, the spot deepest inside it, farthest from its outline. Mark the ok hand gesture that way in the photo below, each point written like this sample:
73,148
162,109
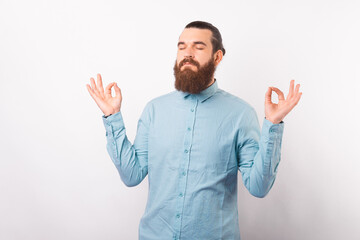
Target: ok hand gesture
276,112
107,103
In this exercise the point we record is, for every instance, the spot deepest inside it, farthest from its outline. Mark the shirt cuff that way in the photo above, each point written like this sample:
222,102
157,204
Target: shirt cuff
113,123
271,130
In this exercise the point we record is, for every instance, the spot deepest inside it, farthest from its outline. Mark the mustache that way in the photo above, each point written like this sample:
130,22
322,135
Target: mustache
189,60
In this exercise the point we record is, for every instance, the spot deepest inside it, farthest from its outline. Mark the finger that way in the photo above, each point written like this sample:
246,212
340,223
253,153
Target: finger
108,90
279,93
294,96
93,86
92,82
298,97
92,93
297,88
117,91
291,89
268,95
100,85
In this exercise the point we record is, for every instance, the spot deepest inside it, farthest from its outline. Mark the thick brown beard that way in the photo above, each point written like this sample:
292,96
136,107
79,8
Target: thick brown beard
193,82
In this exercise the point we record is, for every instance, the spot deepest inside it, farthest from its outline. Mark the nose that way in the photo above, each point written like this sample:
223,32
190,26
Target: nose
189,53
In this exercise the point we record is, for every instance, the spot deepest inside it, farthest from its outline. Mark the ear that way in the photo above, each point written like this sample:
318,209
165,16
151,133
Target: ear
218,57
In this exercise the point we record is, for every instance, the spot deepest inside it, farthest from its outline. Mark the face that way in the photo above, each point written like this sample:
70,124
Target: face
194,44
195,63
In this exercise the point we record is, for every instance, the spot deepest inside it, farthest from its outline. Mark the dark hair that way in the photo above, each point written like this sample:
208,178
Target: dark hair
216,39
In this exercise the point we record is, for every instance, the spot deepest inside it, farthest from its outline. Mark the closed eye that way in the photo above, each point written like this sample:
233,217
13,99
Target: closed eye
181,45
200,45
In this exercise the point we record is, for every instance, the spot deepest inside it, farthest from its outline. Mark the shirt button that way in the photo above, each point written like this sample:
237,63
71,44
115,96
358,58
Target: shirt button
180,195
189,129
178,215
183,173
192,109
186,151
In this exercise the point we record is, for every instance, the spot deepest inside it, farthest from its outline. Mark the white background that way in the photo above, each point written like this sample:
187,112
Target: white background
56,178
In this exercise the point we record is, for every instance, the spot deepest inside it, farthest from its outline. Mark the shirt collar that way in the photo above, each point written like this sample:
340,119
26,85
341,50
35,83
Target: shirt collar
204,94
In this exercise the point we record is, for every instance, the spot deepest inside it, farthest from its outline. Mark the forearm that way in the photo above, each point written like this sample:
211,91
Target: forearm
122,152
262,174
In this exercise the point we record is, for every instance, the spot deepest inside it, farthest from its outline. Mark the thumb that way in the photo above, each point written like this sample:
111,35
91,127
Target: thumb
117,91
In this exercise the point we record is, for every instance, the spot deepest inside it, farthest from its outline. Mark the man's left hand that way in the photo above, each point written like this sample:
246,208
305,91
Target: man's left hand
275,113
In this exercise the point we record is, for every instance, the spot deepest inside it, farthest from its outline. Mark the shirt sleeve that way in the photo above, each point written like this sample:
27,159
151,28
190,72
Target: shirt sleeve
130,160
258,154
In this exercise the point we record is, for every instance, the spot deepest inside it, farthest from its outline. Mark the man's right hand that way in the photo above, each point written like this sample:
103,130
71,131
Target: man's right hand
107,103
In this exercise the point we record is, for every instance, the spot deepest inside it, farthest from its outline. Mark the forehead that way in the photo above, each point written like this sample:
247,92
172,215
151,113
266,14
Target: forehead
195,34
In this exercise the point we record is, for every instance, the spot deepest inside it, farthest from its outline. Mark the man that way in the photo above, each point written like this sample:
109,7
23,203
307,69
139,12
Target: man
191,142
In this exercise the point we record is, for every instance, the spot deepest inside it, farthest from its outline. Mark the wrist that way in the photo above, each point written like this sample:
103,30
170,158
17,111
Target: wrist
274,121
110,113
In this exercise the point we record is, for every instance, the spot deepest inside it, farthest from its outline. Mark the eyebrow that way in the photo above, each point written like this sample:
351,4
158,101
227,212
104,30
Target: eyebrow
197,42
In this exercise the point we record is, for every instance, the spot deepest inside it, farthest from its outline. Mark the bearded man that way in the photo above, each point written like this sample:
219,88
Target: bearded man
191,143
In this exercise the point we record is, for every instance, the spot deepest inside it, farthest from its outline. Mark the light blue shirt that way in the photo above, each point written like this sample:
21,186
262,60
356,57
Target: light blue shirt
191,146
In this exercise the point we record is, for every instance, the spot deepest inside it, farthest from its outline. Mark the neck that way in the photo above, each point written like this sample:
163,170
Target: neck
212,81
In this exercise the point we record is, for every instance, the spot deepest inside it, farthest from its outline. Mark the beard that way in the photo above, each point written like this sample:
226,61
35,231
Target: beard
187,80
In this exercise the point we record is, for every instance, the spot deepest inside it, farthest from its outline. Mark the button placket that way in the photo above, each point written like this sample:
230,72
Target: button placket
184,164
